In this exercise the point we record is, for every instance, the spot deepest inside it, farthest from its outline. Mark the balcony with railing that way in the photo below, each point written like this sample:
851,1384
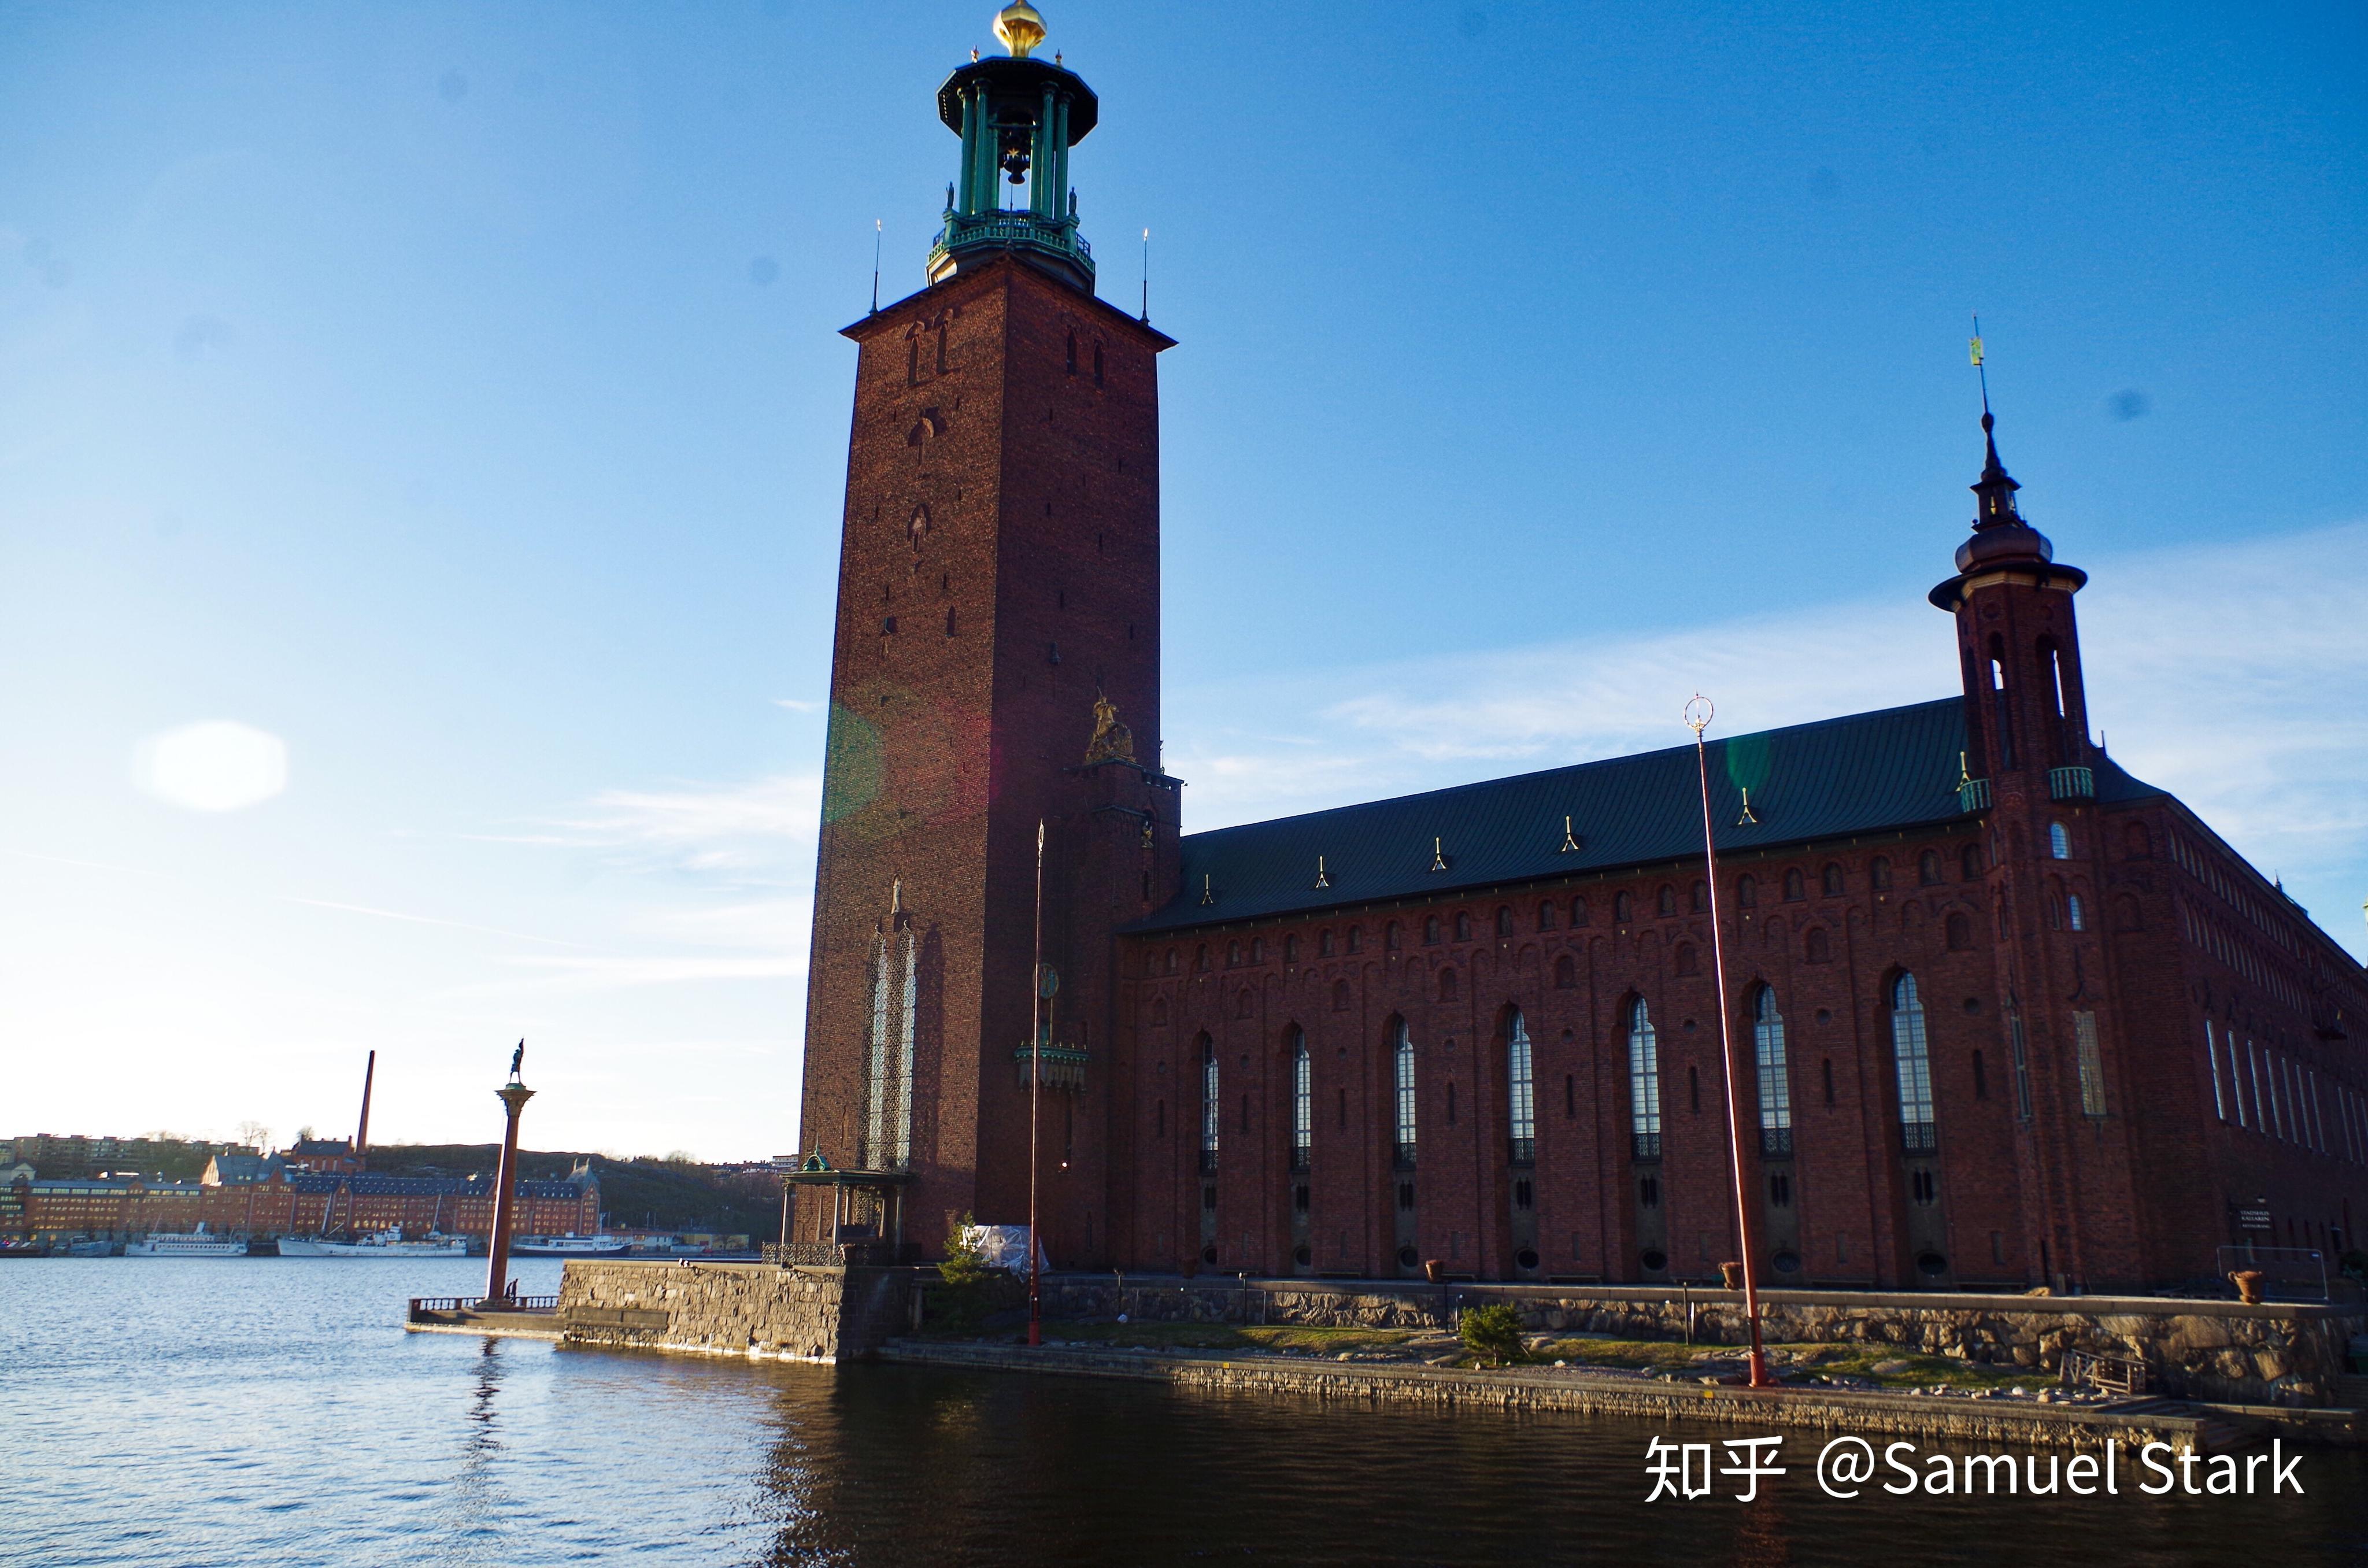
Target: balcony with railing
1918,1137
1776,1141
1649,1145
1011,230
1522,1150
1973,794
2071,784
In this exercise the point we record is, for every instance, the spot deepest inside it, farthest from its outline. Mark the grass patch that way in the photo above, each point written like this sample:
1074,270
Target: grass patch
1816,1360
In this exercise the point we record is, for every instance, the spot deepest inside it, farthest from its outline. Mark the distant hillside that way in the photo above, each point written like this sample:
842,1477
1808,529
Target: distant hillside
661,1195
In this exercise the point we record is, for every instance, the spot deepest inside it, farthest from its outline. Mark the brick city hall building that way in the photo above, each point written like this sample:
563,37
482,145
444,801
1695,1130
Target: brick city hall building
2005,1014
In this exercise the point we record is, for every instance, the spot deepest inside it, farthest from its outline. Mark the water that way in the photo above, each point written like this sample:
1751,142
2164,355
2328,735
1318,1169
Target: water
273,1411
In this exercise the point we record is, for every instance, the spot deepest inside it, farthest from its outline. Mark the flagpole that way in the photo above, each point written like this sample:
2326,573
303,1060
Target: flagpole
1035,1095
1698,715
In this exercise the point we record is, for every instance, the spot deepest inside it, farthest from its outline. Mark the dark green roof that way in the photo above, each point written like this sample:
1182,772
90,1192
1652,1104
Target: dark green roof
1864,773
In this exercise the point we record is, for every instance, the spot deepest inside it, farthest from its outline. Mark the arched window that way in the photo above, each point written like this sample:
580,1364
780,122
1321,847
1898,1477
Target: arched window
1795,888
1201,960
1098,364
2002,716
1970,864
1665,901
1746,892
1960,930
1624,907
1817,947
1565,972
1644,1082
1520,1119
1401,1083
1303,1103
2078,911
1687,962
1212,1109
1339,996
1447,985
1775,1083
1503,921
1291,950
1151,962
2059,841
1233,955
1171,960
1390,935
1928,867
1323,943
1356,938
1547,916
1462,927
1699,899
1833,879
1257,949
1578,912
1913,1060
1878,873
1430,931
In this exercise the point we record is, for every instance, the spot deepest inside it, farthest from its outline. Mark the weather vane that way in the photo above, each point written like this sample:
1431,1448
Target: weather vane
1700,711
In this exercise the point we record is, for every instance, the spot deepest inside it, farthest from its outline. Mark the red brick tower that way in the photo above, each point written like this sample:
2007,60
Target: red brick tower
2029,769
995,664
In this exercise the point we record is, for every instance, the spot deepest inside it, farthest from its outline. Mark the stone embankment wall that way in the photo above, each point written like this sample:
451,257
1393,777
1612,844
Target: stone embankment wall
2277,1353
749,1309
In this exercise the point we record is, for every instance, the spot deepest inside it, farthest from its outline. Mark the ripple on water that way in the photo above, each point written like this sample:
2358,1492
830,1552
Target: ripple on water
272,1412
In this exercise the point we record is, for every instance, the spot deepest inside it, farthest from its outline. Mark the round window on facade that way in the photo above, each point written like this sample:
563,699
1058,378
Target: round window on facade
1526,1258
1788,1263
1209,1255
1407,1257
1302,1257
1654,1260
1932,1264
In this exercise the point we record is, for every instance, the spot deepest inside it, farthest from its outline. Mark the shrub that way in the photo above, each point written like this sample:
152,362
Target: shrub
1494,1331
968,1291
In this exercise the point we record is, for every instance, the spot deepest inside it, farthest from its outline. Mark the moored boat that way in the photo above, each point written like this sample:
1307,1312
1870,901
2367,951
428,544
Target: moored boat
192,1244
388,1242
570,1246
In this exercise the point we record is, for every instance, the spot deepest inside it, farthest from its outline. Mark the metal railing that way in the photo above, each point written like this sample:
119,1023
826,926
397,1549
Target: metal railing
1522,1150
1918,1137
1649,1145
1775,1140
2071,784
1015,228
2118,1374
422,1305
1973,795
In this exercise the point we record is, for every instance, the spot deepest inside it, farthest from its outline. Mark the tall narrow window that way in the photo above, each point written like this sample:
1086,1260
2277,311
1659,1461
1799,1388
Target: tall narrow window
1212,1109
2092,1065
907,1014
1644,1082
1402,1079
2018,1048
2059,841
875,1077
1998,703
1303,1103
1775,1085
1913,1060
2075,912
1521,1106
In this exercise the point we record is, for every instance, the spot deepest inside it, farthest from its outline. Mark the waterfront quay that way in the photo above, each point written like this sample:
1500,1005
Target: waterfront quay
2212,1376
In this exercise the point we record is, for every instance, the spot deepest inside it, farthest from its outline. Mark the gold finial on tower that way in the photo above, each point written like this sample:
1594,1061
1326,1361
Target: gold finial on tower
1019,27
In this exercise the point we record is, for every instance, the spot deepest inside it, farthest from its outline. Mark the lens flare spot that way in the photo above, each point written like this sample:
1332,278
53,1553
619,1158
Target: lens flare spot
218,766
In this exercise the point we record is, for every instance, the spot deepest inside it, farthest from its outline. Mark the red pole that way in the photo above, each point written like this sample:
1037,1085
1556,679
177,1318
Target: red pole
362,1128
497,1262
1698,720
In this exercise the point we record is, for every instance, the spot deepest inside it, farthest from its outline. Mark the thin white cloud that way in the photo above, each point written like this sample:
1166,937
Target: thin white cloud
751,826
429,920
2228,674
797,704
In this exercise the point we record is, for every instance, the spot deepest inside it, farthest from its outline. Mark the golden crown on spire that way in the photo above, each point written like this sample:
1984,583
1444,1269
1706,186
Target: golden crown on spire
1019,27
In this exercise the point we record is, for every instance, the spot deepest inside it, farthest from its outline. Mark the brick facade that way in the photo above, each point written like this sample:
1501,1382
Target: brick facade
2057,934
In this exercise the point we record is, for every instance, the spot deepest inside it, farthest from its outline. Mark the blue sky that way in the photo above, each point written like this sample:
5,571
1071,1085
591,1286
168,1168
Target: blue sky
451,397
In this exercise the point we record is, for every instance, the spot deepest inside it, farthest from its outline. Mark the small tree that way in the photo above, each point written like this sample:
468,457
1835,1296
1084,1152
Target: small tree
965,1265
1494,1331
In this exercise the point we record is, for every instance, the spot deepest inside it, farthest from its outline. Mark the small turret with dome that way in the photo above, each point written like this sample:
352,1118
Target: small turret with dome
1018,116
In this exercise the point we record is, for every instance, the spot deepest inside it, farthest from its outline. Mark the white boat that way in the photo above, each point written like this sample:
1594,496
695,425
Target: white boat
388,1242
570,1246
192,1244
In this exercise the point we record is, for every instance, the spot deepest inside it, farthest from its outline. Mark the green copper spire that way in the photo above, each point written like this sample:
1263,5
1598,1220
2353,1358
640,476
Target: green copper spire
1018,116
